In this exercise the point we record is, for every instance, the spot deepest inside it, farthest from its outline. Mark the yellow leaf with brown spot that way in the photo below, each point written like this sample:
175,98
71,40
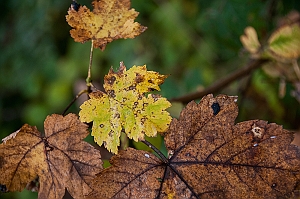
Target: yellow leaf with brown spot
125,106
110,20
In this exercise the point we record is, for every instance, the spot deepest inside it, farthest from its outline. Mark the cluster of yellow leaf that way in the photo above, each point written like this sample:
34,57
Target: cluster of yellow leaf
110,20
124,106
283,43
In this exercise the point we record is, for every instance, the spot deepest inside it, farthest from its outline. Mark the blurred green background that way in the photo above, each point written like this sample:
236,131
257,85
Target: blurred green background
196,42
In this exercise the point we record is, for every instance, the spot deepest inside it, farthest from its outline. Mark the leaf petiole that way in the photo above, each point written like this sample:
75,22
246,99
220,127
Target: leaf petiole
158,152
89,77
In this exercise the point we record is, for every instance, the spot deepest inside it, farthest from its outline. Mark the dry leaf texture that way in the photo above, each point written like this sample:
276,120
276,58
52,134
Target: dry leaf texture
110,20
126,107
61,159
209,157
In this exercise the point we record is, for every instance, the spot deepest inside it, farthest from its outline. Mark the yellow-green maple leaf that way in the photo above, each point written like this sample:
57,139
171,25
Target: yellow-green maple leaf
285,42
124,106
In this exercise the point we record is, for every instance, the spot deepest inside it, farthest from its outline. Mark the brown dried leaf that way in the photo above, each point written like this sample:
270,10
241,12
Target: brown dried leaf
61,159
209,157
110,20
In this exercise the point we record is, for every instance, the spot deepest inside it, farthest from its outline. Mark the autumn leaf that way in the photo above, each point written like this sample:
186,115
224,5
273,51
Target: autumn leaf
61,159
285,42
125,106
250,40
110,20
209,157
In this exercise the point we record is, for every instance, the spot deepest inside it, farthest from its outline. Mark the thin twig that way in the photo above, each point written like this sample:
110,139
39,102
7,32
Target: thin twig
158,152
75,98
89,77
296,68
222,83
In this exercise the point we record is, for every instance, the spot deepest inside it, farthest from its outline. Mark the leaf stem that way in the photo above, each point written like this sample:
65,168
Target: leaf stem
158,152
89,77
74,99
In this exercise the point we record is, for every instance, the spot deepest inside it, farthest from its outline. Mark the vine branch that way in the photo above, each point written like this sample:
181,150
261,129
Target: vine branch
222,83
74,99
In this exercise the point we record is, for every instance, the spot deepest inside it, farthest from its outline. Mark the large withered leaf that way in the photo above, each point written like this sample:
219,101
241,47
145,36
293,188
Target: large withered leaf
209,157
60,158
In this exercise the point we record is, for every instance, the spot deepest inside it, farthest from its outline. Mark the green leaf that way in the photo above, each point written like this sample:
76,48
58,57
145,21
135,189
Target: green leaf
285,42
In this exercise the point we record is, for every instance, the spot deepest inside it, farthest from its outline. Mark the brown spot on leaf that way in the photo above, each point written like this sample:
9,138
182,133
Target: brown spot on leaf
135,104
155,97
143,120
96,94
131,87
139,78
110,80
111,93
111,134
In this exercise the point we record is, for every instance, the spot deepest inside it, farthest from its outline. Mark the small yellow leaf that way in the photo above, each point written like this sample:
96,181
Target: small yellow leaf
250,40
285,42
125,106
110,20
